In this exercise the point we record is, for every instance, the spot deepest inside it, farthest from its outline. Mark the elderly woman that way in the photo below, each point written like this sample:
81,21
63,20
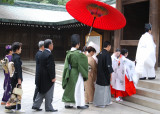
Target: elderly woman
92,74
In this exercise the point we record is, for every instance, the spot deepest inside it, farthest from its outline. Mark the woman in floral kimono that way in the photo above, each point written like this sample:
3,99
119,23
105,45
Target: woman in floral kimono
15,100
122,84
92,74
7,80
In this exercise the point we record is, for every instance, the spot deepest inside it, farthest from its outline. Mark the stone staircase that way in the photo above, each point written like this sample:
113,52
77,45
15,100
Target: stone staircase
59,72
148,94
146,99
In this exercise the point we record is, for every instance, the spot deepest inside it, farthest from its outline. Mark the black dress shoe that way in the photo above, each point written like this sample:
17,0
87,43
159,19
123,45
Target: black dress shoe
10,107
144,78
68,107
87,105
37,109
151,78
82,107
52,110
17,107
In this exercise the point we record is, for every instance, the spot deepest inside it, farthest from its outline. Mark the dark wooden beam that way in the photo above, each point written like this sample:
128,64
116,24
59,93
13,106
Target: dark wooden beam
126,2
129,42
153,19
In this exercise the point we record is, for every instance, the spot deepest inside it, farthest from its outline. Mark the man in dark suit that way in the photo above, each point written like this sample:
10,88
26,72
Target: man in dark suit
46,79
41,49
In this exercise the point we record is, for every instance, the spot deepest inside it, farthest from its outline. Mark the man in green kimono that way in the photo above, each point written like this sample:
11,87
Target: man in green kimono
74,74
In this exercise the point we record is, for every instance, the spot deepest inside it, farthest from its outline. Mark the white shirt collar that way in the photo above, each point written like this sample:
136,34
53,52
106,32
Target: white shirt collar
48,49
73,49
40,50
148,33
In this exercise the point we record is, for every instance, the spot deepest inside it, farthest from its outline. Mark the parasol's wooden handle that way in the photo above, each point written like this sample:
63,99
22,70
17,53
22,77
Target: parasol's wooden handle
90,31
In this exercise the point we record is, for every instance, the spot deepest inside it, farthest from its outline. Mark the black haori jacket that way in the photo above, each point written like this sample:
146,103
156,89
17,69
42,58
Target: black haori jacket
104,68
46,71
18,67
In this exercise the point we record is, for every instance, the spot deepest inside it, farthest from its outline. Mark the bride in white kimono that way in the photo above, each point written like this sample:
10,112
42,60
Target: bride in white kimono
146,55
122,84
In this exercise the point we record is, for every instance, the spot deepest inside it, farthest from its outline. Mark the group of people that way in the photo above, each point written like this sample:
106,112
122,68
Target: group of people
124,76
12,79
44,79
88,77
107,75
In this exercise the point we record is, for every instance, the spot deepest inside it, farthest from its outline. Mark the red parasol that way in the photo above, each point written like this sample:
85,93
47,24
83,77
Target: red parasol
96,14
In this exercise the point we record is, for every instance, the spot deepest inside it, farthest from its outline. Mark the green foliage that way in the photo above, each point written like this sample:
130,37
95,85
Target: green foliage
38,1
62,2
55,2
109,1
7,1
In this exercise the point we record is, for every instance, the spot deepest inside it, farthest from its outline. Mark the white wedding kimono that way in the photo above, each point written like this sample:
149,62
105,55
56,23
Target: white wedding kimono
122,68
114,57
146,56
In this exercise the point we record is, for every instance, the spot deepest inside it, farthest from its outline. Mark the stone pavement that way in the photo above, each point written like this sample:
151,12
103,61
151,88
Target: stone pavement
28,88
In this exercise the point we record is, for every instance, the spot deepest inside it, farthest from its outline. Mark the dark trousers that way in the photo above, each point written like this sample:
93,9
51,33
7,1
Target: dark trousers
35,93
13,83
48,96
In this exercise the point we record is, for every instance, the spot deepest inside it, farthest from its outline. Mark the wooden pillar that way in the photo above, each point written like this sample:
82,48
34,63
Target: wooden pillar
106,36
65,40
153,19
31,45
118,33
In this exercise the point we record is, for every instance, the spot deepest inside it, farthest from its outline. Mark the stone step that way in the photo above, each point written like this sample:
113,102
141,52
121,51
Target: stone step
144,101
59,72
29,63
139,107
59,67
150,84
58,77
148,93
31,71
28,72
28,69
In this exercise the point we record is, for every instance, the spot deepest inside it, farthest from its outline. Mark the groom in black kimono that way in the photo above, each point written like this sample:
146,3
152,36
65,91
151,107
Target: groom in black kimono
102,96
